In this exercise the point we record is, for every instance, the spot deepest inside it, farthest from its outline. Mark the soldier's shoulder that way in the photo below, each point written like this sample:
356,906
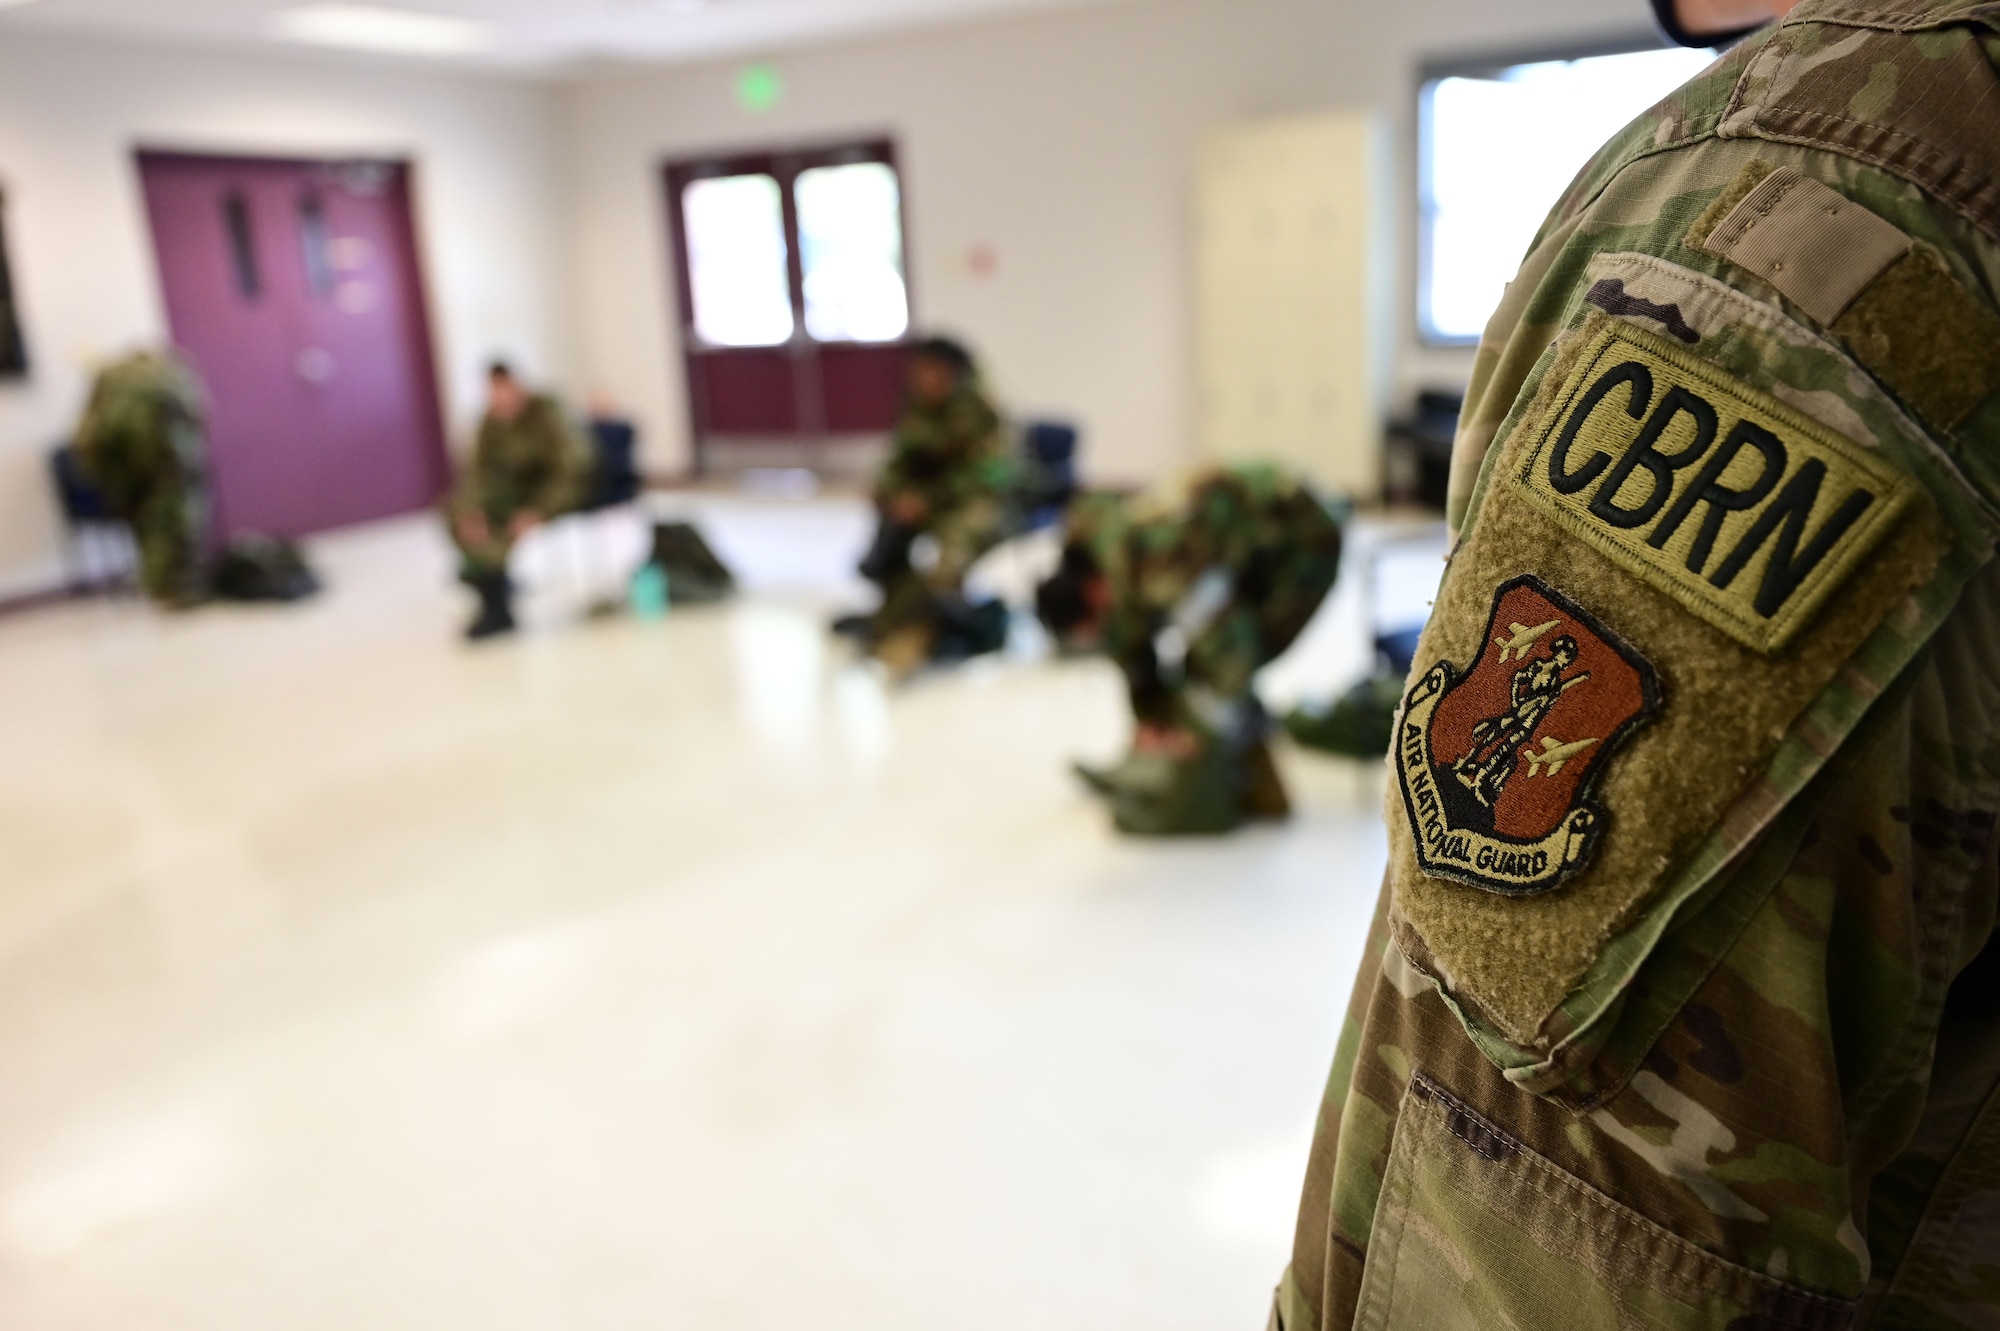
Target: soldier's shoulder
1688,115
546,410
1907,86
1739,451
1258,478
970,408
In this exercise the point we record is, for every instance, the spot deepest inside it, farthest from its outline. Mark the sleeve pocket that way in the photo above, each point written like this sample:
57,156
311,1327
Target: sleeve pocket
1476,1231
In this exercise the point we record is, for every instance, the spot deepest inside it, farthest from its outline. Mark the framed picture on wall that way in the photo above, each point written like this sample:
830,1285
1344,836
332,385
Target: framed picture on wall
13,347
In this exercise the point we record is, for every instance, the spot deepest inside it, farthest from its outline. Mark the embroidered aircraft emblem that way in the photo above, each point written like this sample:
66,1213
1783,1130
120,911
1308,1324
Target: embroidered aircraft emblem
1554,756
1496,789
1523,638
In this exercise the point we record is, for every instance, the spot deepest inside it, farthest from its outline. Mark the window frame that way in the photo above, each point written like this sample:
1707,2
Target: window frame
785,166
690,313
13,342
1485,65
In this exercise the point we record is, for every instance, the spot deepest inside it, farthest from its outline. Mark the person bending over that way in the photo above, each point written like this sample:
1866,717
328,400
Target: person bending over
528,465
1191,590
141,442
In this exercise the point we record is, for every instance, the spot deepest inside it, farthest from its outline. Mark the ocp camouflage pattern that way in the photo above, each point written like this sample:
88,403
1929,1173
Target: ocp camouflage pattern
1764,1094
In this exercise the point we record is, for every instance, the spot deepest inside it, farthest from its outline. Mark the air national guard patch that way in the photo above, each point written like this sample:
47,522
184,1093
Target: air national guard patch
1746,511
1497,764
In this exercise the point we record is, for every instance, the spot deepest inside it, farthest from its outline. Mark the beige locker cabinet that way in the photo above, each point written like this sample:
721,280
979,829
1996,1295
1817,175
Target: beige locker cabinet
1293,265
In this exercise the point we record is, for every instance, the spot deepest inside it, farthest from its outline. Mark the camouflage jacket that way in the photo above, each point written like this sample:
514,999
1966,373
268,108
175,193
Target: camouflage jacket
1235,560
536,461
1679,1010
948,455
143,427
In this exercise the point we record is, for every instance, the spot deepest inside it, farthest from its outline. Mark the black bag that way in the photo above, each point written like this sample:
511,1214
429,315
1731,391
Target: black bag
966,630
695,576
263,568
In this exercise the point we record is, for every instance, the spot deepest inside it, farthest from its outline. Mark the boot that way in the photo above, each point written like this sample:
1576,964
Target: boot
496,606
1361,723
1135,771
966,631
1159,796
861,628
1100,780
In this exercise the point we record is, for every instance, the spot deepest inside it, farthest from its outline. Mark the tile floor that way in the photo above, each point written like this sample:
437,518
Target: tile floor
634,975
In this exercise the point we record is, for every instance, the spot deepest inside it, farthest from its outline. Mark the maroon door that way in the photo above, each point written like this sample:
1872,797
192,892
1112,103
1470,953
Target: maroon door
293,287
812,382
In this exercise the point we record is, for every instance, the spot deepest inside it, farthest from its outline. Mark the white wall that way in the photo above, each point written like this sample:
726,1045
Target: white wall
1065,141
71,112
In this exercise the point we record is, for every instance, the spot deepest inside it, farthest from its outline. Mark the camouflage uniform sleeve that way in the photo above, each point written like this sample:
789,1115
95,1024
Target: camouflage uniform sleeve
485,481
982,462
1133,624
1280,548
900,473
569,460
1669,1021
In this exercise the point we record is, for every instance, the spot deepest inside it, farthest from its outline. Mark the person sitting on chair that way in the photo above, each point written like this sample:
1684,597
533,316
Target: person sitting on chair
940,503
1191,590
528,465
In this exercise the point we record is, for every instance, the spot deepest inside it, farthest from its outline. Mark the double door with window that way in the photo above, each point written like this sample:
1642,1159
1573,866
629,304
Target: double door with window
794,304
293,288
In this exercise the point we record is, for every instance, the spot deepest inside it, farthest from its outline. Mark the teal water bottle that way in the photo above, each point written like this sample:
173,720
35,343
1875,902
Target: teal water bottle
649,592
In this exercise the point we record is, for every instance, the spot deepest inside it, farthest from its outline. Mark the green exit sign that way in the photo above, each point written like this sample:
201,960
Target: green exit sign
759,87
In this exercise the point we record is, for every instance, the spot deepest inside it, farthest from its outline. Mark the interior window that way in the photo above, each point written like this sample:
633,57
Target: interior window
242,248
314,236
738,261
851,246
1499,145
13,349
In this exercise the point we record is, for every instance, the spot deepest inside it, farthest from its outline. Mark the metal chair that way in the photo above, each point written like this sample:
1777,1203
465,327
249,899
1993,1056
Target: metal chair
615,482
1048,452
616,479
99,554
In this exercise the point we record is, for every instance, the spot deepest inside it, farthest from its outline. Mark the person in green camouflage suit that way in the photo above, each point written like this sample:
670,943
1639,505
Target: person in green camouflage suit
529,464
1191,590
141,442
945,486
1741,1067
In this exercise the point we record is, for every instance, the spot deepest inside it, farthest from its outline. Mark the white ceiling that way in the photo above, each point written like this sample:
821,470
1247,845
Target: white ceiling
534,36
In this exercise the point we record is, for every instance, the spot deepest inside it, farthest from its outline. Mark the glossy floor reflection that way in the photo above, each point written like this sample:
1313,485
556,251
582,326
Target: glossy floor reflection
632,975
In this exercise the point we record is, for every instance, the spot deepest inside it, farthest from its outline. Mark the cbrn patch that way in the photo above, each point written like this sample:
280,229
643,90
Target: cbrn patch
1497,764
1743,509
